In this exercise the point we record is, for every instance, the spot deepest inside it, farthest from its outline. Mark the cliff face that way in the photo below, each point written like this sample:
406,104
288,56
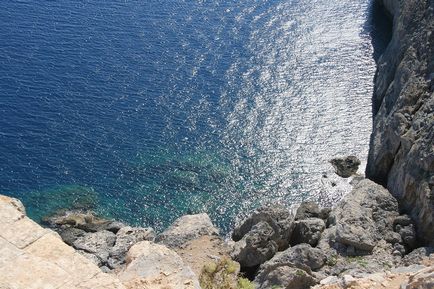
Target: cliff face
401,153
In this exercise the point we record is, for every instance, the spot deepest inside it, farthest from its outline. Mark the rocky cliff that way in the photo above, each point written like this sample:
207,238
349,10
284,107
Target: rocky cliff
401,155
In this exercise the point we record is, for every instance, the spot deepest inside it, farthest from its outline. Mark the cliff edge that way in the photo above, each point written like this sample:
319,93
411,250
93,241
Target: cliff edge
401,155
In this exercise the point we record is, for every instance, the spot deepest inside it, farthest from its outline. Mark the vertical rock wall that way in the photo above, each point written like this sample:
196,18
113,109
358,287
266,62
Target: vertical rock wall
401,153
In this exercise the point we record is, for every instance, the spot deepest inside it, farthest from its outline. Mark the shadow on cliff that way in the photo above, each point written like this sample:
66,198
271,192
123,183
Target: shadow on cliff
379,27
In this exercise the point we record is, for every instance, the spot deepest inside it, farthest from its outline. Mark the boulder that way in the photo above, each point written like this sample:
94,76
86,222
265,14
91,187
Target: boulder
277,217
156,266
346,167
126,237
286,277
256,247
365,216
301,256
307,231
187,228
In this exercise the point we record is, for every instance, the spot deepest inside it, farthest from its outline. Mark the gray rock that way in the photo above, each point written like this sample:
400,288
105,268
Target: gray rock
346,167
365,216
356,229
286,278
301,256
256,247
403,220
307,210
417,255
114,226
187,228
307,231
83,220
277,217
401,155
99,244
126,237
69,235
408,235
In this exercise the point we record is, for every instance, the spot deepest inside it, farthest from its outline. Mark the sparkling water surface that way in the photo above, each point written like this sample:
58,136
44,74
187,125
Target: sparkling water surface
148,110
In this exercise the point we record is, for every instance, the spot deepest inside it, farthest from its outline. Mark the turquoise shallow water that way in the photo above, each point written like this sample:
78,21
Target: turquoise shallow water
148,110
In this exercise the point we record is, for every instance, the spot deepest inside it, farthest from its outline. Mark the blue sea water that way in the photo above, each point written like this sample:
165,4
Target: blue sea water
148,110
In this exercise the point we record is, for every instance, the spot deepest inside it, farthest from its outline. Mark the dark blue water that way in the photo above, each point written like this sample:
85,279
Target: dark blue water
148,110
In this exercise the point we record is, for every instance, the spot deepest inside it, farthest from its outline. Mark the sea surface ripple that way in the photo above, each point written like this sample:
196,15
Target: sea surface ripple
148,110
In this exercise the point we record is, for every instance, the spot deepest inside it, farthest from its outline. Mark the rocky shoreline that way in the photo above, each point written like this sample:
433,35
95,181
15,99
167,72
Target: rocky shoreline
380,235
364,235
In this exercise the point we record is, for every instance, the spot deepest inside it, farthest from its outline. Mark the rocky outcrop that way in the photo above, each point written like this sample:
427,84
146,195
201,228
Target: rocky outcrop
32,257
187,228
104,242
401,153
346,167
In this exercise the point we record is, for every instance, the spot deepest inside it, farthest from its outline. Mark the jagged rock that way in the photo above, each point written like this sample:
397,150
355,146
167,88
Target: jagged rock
276,216
126,237
408,235
158,267
392,237
99,244
114,226
307,210
287,278
325,213
187,228
403,220
256,247
346,167
307,231
417,255
70,235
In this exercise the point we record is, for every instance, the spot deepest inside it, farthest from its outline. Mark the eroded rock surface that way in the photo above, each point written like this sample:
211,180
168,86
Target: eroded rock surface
401,154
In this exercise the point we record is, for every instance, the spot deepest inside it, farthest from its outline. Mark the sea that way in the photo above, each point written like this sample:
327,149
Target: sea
144,111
